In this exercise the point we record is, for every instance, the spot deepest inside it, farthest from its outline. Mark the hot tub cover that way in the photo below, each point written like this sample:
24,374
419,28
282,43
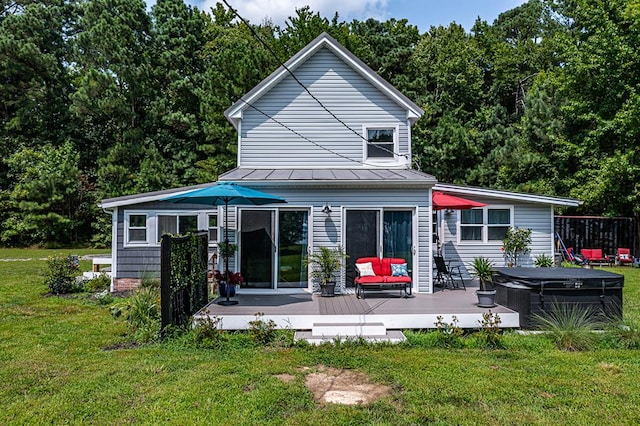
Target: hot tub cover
560,277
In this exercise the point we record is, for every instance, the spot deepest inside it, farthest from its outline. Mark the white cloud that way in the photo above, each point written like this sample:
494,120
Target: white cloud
256,11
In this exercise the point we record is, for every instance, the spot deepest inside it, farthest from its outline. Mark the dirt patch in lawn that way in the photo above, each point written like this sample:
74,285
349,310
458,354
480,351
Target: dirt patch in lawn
338,386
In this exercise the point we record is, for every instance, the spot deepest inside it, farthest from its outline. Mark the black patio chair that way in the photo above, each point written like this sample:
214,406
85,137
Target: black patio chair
447,275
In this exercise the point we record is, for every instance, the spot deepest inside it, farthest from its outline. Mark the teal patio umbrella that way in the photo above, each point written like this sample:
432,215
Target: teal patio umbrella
225,194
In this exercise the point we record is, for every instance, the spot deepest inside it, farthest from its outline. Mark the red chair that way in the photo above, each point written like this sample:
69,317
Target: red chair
623,256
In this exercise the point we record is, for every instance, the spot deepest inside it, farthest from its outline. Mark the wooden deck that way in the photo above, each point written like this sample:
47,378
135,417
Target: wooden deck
301,311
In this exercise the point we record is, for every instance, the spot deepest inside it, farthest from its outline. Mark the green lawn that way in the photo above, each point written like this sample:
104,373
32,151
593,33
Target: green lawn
54,370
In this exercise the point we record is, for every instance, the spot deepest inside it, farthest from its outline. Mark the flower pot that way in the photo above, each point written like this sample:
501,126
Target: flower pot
328,289
226,290
486,298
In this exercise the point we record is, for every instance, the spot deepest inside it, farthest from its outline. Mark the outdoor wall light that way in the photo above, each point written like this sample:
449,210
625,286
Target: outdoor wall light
326,209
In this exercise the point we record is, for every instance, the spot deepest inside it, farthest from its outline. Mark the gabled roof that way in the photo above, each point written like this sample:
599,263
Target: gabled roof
324,40
506,195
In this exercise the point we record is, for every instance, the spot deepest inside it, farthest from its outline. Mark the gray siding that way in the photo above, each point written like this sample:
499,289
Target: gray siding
534,216
344,92
325,230
136,261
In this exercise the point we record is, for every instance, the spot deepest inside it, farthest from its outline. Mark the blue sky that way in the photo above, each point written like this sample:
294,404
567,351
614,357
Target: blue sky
423,13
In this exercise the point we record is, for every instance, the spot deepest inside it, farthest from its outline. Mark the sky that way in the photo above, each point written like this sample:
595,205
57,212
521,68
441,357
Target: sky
422,13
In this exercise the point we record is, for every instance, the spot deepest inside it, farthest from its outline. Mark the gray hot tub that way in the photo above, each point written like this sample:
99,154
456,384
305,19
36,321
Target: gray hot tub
531,291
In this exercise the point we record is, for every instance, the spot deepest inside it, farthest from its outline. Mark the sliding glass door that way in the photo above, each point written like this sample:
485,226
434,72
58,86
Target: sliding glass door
273,248
378,233
257,248
293,240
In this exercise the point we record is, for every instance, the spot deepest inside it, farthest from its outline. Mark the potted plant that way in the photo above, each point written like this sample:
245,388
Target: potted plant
482,269
516,242
226,285
226,249
324,264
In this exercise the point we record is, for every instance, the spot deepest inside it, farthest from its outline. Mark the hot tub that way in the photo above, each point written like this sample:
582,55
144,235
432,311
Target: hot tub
531,291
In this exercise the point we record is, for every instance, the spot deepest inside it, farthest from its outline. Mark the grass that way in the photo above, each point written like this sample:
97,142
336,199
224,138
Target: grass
55,370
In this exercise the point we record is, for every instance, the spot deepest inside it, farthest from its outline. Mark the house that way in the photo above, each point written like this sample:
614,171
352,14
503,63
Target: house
335,142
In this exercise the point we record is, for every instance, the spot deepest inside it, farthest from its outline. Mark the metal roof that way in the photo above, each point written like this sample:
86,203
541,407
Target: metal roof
330,176
505,195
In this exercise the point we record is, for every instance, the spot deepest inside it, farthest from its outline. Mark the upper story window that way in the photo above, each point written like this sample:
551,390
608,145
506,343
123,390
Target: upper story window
486,224
381,144
176,224
137,228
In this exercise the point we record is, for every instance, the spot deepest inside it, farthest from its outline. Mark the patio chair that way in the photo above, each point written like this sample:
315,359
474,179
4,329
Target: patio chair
623,256
447,275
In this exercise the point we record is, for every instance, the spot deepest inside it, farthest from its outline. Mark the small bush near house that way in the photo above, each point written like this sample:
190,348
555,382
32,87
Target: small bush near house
449,335
543,261
262,332
207,334
60,276
569,326
142,314
489,336
99,283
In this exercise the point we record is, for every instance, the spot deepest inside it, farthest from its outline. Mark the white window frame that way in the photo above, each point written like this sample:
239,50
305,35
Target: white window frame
213,243
394,158
485,225
153,239
177,215
127,221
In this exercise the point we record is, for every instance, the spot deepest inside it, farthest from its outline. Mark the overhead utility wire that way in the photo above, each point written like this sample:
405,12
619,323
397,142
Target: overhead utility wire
298,133
283,65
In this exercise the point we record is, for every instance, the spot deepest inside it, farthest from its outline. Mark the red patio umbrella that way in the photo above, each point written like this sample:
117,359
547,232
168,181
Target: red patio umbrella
442,201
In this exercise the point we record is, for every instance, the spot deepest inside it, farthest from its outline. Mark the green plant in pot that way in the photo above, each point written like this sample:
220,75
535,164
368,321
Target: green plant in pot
325,264
226,249
482,269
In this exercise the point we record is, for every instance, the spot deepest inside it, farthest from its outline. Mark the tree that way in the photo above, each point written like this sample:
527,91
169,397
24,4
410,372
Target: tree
51,202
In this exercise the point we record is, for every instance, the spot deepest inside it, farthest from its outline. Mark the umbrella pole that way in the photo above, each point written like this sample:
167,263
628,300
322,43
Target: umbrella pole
226,258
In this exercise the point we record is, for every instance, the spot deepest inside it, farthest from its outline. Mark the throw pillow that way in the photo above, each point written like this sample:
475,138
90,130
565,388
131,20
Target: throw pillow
624,256
365,269
399,270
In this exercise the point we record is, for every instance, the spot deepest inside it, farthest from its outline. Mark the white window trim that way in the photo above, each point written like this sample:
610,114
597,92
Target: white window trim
485,225
381,160
152,224
207,227
127,215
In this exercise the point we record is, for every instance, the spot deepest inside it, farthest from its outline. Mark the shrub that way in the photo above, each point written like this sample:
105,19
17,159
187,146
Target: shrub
569,326
98,283
543,261
262,332
60,276
207,334
489,336
142,314
449,335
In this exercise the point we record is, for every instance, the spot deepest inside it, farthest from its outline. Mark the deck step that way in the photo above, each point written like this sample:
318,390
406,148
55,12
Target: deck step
355,329
391,336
